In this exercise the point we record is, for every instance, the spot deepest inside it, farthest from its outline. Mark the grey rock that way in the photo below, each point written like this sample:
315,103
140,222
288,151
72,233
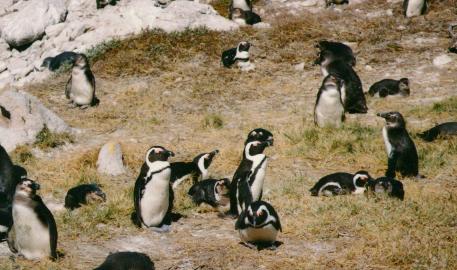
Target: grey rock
110,159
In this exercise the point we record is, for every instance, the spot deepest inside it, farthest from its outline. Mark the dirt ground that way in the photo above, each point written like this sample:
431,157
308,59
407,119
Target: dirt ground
170,90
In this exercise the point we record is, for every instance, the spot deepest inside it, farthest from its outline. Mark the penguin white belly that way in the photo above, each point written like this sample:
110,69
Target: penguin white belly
324,192
155,200
265,234
414,8
241,4
329,109
359,190
81,89
32,238
324,71
386,141
257,185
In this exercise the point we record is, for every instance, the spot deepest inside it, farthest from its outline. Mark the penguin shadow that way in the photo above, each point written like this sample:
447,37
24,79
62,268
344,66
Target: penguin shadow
262,246
175,217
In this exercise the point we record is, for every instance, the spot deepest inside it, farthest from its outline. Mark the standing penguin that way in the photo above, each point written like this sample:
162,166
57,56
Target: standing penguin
259,225
341,183
152,194
252,168
238,55
34,231
413,8
197,169
386,87
80,88
401,151
329,109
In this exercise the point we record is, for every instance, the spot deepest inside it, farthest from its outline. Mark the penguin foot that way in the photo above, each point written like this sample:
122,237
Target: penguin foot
249,245
84,107
163,229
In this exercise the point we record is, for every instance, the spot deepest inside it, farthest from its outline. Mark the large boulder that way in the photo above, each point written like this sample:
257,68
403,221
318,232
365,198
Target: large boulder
27,117
28,24
110,159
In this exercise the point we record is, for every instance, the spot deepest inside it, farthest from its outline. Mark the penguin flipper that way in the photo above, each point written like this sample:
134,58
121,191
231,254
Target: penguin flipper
10,240
68,88
239,224
392,164
46,217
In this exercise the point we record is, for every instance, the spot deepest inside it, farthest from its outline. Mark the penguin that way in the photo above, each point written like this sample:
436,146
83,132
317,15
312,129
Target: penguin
127,260
211,191
196,169
413,8
252,169
104,3
259,225
330,51
7,181
391,87
238,55
329,108
453,35
83,194
34,231
401,151
391,186
54,63
80,88
329,3
241,12
341,183
441,130
153,196
6,220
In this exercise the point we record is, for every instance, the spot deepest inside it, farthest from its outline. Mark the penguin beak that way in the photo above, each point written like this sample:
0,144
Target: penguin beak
383,115
171,154
101,195
270,141
35,186
215,152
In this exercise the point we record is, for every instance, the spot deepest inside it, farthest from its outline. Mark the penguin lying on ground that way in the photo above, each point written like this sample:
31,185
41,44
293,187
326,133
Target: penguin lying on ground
341,183
259,225
329,108
401,151
441,130
252,168
153,196
391,186
238,55
391,87
54,63
330,51
83,194
104,3
80,88
211,191
34,231
197,169
413,8
241,12
127,260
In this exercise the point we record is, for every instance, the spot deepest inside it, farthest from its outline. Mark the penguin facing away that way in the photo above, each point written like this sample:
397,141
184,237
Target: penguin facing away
441,130
259,225
83,194
196,169
391,87
153,196
413,8
401,151
329,109
211,191
127,260
341,183
330,51
391,186
80,88
34,231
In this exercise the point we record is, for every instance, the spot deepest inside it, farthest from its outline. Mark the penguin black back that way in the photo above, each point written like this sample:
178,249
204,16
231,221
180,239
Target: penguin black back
127,260
83,194
7,181
390,87
197,168
444,129
332,51
211,191
54,63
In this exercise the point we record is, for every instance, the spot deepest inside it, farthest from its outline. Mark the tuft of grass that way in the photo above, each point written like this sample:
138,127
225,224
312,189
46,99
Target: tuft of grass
213,121
22,155
447,106
97,51
46,139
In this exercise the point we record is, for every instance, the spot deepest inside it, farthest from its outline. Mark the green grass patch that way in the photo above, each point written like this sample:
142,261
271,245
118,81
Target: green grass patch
46,139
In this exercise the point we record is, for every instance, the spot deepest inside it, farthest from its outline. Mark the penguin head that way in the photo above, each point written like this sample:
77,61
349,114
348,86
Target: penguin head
255,147
46,62
238,13
393,119
361,178
81,61
383,184
95,194
26,187
222,190
244,46
257,214
204,160
403,85
260,134
158,153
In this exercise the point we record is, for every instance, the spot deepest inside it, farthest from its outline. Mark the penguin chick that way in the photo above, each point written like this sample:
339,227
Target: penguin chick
329,108
341,183
441,130
127,260
211,191
259,225
84,194
391,87
197,169
413,8
391,186
80,88
153,196
401,151
238,55
34,231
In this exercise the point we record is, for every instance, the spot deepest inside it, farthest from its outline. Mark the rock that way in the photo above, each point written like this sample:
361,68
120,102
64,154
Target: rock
262,25
28,118
29,23
54,30
300,66
19,67
442,60
110,159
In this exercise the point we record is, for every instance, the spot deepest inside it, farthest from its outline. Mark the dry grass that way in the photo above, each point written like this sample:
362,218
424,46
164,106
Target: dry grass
170,90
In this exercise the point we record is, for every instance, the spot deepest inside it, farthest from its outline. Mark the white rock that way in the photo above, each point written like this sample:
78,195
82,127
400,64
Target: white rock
110,159
262,25
19,67
28,117
300,66
54,30
29,23
368,68
3,67
442,60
